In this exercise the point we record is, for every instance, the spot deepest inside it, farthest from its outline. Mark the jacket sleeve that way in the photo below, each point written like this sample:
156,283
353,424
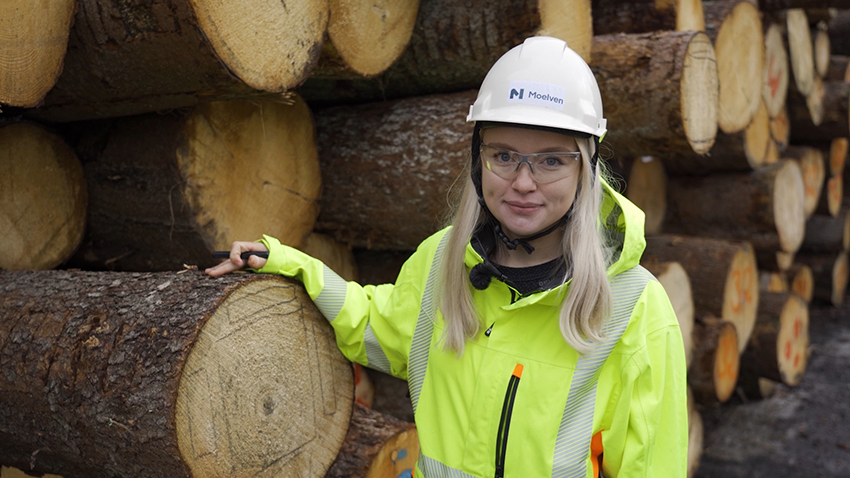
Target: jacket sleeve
373,324
653,403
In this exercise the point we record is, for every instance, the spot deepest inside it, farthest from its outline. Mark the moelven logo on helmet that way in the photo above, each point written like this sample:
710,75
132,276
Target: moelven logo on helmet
539,94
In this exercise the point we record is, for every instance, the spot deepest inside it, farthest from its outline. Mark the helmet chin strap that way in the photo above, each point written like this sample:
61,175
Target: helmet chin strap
524,242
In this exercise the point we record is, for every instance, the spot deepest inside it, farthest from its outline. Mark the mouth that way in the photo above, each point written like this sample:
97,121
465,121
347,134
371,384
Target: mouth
523,208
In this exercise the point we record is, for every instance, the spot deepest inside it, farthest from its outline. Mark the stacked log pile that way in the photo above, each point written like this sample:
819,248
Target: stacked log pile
143,137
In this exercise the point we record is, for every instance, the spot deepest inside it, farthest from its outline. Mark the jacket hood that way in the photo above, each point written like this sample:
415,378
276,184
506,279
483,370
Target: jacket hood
625,225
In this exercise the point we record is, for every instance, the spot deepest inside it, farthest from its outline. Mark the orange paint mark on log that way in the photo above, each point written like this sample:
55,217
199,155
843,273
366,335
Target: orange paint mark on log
797,360
728,357
834,193
797,326
743,284
800,288
772,77
788,350
809,179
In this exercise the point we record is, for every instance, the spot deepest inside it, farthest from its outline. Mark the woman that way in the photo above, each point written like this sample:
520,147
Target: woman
532,341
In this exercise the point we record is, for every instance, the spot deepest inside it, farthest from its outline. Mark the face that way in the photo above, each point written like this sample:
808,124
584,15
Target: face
523,206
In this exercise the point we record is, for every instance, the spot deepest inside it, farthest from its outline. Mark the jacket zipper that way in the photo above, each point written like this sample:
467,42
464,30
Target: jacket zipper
505,421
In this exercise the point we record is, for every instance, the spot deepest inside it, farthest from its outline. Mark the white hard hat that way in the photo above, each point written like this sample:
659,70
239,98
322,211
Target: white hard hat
541,83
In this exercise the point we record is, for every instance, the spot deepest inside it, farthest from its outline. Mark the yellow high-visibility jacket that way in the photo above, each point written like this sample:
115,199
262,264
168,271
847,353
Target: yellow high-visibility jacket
520,402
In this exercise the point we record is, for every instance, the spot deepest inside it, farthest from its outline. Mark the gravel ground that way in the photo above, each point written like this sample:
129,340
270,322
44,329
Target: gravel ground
798,432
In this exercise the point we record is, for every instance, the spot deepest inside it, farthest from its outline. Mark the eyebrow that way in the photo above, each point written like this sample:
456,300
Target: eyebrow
553,149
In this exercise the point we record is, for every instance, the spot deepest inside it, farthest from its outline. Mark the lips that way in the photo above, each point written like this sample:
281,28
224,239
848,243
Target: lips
522,208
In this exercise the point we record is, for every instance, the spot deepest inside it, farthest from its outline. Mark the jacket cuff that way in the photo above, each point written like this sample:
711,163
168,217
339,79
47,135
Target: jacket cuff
277,255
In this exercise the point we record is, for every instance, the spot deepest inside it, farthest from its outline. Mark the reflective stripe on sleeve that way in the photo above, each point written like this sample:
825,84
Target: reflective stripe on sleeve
421,341
575,433
374,353
332,297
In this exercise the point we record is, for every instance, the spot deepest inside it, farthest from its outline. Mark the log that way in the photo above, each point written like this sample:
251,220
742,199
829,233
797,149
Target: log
821,49
802,281
838,69
376,446
645,183
744,150
801,50
777,5
830,200
168,374
780,129
676,283
827,233
837,155
714,371
410,150
779,345
736,31
365,38
122,61
379,267
32,48
775,83
364,389
660,89
723,275
42,198
829,274
813,170
765,207
11,472
450,50
641,16
336,255
773,282
839,26
167,190
695,435
392,396
832,114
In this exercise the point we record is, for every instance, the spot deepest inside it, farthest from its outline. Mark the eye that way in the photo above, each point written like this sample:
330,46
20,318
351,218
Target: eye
503,156
552,161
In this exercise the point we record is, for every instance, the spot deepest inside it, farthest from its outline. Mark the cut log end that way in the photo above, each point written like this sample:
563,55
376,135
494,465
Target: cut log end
716,360
293,39
740,67
792,342
43,200
837,155
800,50
814,173
32,48
286,391
690,16
802,282
647,188
676,283
741,294
839,279
570,21
283,181
788,208
775,86
699,94
336,255
369,37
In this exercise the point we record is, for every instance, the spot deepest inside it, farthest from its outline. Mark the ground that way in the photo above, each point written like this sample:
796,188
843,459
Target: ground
798,432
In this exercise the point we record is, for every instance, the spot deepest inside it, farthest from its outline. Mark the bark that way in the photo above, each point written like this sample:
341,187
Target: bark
376,445
42,198
168,190
167,374
125,59
742,151
838,68
454,44
829,274
659,90
831,110
778,5
779,345
387,168
736,30
676,283
640,16
392,396
723,274
715,368
379,267
32,49
764,207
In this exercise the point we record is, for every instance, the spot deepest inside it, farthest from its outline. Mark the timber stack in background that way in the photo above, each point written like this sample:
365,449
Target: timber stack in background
139,138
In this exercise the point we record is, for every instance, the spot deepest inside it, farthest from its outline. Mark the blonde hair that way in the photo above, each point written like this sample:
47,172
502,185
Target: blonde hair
588,301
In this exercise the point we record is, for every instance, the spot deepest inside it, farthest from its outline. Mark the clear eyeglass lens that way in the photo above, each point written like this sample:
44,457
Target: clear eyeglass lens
545,167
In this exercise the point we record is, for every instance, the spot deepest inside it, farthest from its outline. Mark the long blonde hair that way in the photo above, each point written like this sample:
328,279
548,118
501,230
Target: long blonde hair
588,301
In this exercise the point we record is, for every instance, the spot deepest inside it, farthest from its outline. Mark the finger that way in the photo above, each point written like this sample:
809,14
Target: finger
256,262
221,269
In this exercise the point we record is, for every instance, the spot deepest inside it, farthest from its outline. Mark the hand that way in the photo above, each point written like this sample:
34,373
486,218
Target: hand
235,262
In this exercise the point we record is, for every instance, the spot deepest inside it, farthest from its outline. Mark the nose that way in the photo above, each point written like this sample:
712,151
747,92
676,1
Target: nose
524,180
